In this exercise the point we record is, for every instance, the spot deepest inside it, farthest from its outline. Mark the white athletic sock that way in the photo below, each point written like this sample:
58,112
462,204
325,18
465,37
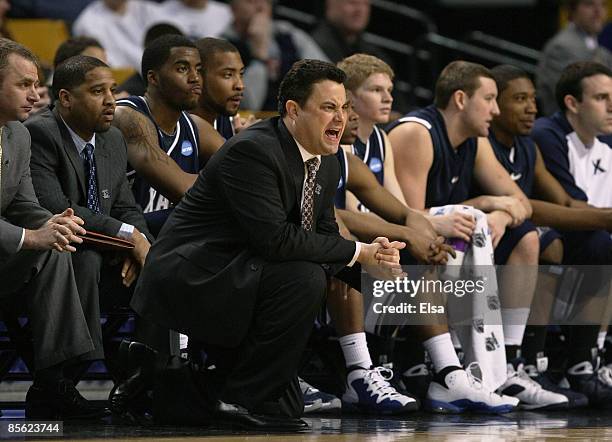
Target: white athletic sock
601,339
441,351
184,341
514,321
355,349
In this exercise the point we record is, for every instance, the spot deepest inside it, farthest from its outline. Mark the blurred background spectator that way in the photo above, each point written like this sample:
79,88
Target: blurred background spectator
268,49
577,42
5,6
120,26
197,18
79,46
340,33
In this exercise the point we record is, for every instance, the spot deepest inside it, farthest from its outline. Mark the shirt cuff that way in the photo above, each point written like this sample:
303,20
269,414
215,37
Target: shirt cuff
356,255
21,241
125,231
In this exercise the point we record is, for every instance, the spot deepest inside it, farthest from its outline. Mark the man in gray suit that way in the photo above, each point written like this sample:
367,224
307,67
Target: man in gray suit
79,161
33,270
577,42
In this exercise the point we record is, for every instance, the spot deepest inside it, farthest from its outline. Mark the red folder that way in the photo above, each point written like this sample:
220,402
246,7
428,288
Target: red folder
105,242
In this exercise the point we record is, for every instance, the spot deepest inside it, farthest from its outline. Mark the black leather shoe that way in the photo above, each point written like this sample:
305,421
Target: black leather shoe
233,414
61,401
129,399
135,356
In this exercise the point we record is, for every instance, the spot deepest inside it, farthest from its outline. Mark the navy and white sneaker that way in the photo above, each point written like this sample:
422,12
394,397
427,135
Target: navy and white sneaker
595,383
532,395
540,374
318,401
455,390
369,391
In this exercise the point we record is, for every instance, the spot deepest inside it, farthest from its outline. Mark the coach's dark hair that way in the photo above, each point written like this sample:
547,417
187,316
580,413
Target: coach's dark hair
8,47
570,82
459,76
74,46
298,82
158,52
209,46
71,73
505,73
158,30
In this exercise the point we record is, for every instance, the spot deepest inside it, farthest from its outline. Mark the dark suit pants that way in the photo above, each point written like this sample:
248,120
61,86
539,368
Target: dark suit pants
262,367
43,283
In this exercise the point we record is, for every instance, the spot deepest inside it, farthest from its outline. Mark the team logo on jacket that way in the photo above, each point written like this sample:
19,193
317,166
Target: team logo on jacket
186,148
375,165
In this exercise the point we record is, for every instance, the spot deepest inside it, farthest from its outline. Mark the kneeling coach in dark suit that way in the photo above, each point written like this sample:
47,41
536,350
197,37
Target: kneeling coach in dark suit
79,161
242,262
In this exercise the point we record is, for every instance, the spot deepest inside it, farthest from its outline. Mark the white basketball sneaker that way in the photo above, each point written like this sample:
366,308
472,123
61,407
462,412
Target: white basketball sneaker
461,391
369,391
531,394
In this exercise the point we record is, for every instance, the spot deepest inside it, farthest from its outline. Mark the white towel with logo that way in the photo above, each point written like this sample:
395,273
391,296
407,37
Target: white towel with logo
476,318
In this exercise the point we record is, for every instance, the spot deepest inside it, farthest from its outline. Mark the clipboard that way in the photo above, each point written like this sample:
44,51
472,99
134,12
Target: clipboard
105,242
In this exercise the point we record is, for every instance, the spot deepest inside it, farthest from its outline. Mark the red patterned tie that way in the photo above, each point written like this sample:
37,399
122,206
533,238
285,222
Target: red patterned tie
312,165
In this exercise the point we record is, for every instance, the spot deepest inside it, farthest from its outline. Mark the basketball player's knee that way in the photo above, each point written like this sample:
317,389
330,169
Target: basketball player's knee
553,253
528,248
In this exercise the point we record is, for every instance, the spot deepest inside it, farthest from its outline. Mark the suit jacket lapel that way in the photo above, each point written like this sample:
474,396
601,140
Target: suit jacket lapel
71,151
4,165
294,160
103,170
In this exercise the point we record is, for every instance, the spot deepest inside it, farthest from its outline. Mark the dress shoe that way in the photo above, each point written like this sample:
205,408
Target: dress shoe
134,357
233,414
129,399
61,401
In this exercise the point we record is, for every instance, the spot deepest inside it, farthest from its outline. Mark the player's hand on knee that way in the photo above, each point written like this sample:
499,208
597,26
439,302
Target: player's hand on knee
512,207
454,225
497,221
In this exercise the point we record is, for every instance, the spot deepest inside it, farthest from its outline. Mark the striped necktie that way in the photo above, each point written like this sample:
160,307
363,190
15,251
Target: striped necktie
93,199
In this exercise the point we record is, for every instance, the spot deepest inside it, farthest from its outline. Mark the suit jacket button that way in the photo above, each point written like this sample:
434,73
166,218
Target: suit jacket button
253,267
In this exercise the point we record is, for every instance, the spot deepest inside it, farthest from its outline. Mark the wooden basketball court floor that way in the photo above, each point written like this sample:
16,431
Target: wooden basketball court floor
583,425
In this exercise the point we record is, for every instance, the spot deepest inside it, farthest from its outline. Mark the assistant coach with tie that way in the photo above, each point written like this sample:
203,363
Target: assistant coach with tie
79,162
243,261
